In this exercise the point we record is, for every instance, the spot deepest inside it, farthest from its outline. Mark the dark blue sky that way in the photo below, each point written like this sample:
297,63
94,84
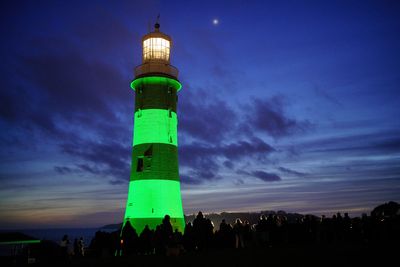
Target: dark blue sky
286,105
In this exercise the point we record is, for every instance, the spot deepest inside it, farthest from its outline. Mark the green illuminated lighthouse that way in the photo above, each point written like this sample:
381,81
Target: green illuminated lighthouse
154,187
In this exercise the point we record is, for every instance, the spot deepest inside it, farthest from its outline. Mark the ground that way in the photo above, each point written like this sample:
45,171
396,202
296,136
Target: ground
332,255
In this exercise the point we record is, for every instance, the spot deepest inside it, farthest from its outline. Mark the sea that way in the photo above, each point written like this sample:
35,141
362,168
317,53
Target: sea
56,234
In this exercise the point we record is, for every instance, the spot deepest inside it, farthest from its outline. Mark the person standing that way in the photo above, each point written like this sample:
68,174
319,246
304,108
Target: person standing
65,244
238,230
81,245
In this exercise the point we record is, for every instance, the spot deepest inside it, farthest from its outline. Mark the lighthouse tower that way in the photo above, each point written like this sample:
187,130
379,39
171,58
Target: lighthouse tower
154,187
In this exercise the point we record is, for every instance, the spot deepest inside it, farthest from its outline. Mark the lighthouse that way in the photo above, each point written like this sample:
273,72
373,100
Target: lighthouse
154,186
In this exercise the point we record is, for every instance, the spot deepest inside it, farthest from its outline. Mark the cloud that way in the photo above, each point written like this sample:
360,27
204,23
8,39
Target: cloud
195,177
265,176
254,147
380,142
67,78
62,169
205,117
89,169
118,182
197,155
210,129
202,157
238,182
62,97
268,115
327,96
204,160
291,172
228,164
262,175
187,179
106,158
59,95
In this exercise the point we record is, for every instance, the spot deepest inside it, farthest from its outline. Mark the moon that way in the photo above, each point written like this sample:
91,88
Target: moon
215,21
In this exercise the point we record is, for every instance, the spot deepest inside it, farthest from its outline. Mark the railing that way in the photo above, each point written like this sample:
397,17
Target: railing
148,68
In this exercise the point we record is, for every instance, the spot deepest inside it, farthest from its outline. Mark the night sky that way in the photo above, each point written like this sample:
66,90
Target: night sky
286,105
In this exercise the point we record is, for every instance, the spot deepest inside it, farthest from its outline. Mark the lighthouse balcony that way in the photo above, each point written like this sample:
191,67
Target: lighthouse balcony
156,68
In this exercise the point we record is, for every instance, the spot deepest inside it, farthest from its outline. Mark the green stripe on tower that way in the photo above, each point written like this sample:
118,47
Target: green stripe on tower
155,126
150,200
150,80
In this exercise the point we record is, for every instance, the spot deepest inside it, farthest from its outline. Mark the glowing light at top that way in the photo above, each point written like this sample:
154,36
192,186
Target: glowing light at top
156,48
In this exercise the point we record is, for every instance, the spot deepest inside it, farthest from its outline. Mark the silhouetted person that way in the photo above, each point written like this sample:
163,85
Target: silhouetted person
130,239
200,229
165,235
209,233
65,247
283,229
82,246
324,227
238,230
346,227
175,247
339,227
76,248
104,244
225,235
270,229
262,229
188,237
158,241
145,239
166,229
246,231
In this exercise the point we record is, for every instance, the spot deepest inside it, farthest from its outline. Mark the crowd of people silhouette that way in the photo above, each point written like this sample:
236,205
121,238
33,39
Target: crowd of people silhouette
287,238
271,230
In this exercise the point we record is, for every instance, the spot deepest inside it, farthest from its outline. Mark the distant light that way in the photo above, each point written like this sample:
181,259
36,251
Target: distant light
215,21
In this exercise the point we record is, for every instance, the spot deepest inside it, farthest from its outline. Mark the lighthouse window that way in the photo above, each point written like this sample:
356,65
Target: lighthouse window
146,159
143,164
147,163
139,167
